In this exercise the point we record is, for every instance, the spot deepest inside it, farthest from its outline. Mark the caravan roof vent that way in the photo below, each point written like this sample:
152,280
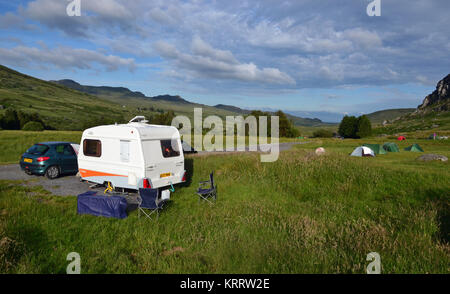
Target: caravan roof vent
138,119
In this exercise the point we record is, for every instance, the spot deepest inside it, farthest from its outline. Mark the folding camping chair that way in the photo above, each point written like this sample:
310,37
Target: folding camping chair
148,199
207,193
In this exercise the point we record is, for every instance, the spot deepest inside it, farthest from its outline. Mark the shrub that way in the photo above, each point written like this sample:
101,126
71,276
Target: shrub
164,118
364,127
352,127
33,126
25,117
287,128
10,121
348,127
322,133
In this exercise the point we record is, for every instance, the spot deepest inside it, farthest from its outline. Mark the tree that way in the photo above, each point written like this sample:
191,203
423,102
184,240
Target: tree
364,127
352,127
33,126
257,114
322,133
25,117
286,126
10,121
347,127
164,118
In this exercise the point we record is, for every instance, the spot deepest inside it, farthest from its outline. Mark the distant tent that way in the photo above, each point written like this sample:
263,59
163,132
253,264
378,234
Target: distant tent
401,138
414,148
391,147
376,148
362,151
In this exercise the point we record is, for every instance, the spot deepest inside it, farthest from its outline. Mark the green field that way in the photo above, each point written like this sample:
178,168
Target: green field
15,143
300,214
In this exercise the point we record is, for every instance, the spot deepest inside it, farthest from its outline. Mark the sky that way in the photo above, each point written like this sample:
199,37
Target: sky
315,58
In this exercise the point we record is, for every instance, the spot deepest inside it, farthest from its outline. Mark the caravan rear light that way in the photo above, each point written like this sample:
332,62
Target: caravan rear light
147,184
184,177
42,158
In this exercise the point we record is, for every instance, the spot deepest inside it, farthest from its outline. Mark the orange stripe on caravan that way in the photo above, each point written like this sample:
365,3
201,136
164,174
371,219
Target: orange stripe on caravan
93,173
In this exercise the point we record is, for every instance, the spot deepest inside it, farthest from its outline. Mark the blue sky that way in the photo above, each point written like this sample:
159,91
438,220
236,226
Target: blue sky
315,58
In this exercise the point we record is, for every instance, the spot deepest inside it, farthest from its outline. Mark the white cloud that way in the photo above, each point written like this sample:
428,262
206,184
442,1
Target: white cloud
64,57
12,20
201,48
206,61
302,44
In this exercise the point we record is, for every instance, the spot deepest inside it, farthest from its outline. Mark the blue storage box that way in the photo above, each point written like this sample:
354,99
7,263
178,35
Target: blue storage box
100,205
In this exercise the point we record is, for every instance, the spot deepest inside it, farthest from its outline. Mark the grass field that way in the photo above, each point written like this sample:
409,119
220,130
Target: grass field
15,143
300,214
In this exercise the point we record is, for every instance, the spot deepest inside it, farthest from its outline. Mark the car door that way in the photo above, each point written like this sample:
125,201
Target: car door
71,159
67,158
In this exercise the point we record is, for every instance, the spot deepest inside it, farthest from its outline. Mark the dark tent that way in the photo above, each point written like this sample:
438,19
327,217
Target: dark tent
414,148
391,147
376,148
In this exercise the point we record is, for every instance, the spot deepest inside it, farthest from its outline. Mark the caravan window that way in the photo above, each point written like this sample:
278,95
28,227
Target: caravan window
170,148
92,148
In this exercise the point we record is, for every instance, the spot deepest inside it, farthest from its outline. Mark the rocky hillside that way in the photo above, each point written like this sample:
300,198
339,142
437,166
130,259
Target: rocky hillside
432,116
437,101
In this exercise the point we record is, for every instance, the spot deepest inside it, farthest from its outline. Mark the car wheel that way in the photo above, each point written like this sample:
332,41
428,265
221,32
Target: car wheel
52,172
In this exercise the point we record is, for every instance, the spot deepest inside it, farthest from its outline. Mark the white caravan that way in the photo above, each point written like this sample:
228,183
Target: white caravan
132,156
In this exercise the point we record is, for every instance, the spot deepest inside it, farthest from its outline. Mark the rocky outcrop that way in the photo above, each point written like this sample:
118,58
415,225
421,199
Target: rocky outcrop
439,100
430,157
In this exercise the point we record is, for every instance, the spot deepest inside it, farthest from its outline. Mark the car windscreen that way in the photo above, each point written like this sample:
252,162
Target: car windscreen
38,149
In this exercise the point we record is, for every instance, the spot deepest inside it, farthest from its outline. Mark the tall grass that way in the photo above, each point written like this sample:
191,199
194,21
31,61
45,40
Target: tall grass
301,214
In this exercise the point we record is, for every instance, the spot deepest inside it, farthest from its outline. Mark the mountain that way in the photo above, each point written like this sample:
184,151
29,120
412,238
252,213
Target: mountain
232,108
306,122
432,115
116,91
68,105
60,107
296,120
102,90
439,100
381,116
167,102
170,98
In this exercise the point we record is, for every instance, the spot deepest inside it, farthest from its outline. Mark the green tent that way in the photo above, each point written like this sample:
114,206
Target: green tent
414,148
376,148
391,147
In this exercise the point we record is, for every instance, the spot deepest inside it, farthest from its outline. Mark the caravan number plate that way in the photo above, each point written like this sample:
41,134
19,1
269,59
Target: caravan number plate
165,175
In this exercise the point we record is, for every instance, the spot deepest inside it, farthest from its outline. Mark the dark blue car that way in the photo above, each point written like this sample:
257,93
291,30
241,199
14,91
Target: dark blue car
51,159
